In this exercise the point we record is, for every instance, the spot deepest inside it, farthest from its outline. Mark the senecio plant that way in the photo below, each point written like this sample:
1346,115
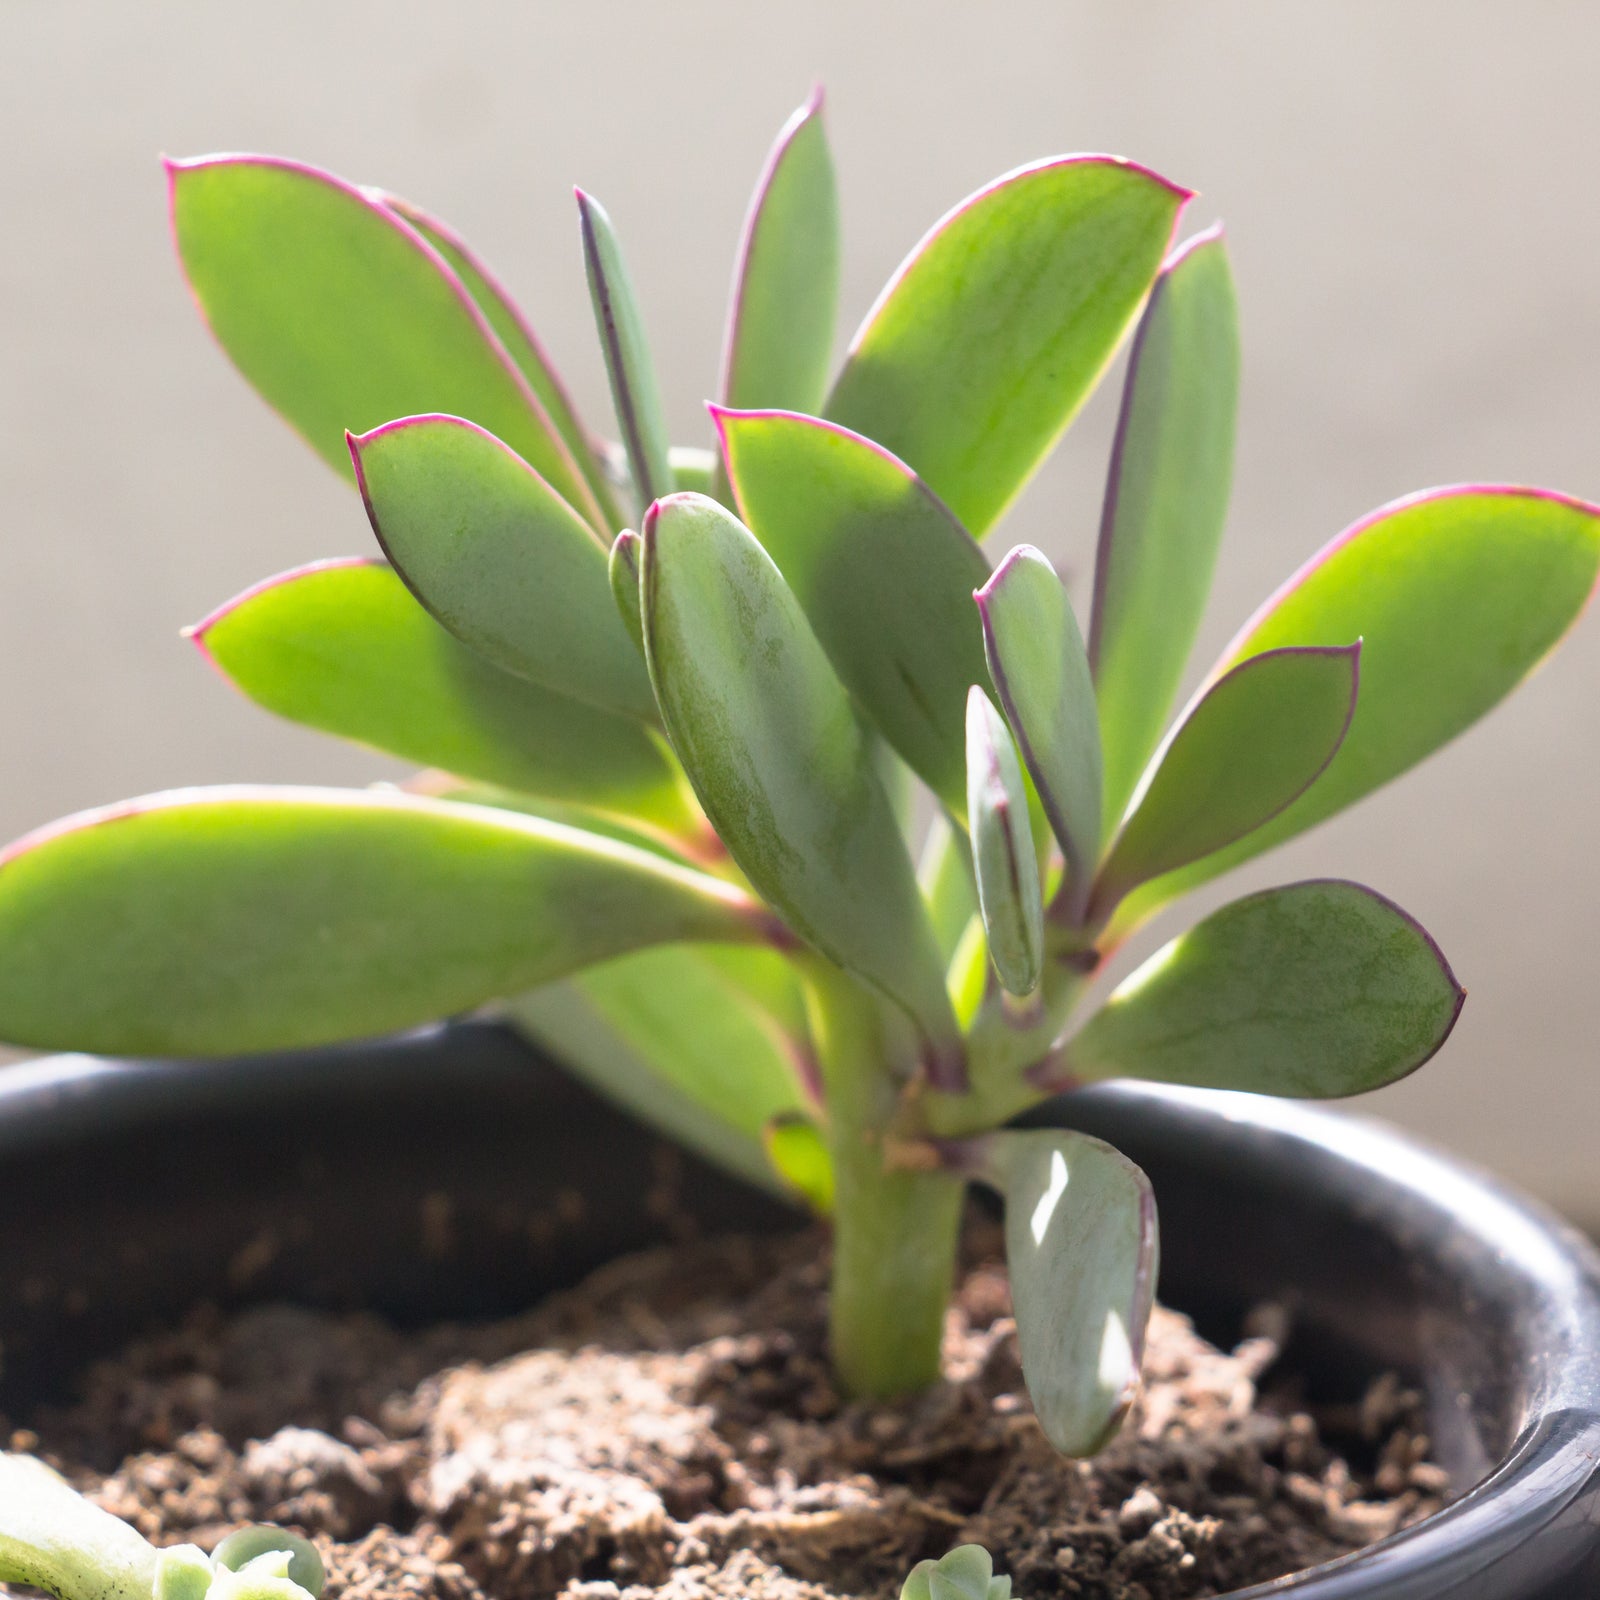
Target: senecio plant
675,707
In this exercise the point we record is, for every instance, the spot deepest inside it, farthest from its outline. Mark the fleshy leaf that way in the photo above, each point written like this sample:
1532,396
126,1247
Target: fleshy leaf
1041,674
1166,502
522,345
623,572
54,1539
1251,742
779,343
944,872
341,646
965,1573
799,1155
1317,990
1081,1249
705,1041
499,558
343,316
216,921
246,1545
1456,595
994,330
1002,849
771,744
633,378
694,468
882,570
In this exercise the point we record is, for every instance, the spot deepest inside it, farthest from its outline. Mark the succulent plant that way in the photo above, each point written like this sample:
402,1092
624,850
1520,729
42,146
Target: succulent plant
965,1573
53,1539
676,708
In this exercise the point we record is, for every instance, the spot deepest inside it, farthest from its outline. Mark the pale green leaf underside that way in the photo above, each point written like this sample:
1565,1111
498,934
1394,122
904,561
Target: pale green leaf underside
1252,742
1081,1252
882,570
786,282
997,326
1314,990
1006,867
770,741
343,647
342,315
1041,675
1166,502
500,559
209,922
54,1539
1456,596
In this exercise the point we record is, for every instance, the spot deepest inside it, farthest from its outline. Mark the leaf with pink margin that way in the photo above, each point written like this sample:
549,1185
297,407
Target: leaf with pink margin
1315,990
1165,505
1457,595
343,316
1082,1251
882,570
1253,741
1041,675
219,921
779,343
992,333
516,333
498,557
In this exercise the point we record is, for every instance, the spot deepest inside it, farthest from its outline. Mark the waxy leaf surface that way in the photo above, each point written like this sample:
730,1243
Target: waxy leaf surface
1081,1250
770,741
1166,502
1456,595
965,1573
51,1538
342,646
799,1155
213,921
634,391
623,572
343,316
1252,742
882,570
1041,674
786,281
994,330
705,1041
1003,856
522,345
1315,990
499,558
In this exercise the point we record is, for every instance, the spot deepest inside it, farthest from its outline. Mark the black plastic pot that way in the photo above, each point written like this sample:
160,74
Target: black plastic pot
453,1173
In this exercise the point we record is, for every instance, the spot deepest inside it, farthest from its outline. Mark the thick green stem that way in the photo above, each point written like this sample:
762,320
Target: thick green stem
895,1230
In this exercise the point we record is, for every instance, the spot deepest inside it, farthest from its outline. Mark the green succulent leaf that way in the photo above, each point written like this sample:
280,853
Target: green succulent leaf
1166,502
1081,1249
694,468
1041,674
996,327
799,1155
214,921
965,1573
522,345
1002,849
779,343
341,646
1251,743
1456,595
343,316
634,391
705,1041
247,1545
771,744
499,558
944,872
882,570
1315,990
53,1539
623,572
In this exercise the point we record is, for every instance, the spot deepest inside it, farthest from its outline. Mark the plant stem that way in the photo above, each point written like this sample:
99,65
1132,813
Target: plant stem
895,1231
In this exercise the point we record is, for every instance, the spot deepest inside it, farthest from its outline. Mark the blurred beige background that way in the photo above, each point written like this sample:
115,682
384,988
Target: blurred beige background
1410,195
